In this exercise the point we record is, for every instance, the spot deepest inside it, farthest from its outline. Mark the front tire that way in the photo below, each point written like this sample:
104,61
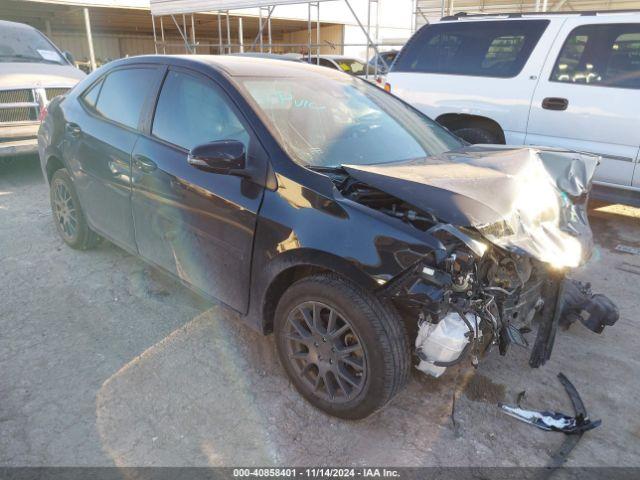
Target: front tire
67,213
344,350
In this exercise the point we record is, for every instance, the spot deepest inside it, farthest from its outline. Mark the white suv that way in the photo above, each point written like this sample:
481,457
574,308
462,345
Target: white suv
569,80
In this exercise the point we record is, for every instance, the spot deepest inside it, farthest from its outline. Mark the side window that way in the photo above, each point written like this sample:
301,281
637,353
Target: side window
90,97
603,55
503,50
487,49
193,111
327,63
123,94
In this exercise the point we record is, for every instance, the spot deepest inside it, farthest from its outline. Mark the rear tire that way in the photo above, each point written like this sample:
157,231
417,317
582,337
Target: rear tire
476,135
344,350
67,213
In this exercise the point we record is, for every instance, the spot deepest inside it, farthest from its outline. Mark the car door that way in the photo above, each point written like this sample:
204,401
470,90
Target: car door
198,225
588,96
100,136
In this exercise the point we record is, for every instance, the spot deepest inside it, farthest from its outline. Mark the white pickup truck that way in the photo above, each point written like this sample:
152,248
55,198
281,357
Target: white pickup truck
569,80
32,71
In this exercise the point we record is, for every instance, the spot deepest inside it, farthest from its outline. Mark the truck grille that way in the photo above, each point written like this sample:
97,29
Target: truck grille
16,96
18,114
23,105
54,92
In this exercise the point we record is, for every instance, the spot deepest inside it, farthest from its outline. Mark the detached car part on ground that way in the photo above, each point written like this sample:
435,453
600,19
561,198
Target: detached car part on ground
283,190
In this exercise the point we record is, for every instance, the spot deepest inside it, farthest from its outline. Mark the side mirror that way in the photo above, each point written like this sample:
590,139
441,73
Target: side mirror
69,57
225,157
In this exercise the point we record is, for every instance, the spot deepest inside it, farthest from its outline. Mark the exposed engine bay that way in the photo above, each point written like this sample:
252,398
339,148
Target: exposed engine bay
501,269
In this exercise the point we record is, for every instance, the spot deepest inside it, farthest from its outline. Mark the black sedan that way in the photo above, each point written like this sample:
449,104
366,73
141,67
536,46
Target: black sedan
323,209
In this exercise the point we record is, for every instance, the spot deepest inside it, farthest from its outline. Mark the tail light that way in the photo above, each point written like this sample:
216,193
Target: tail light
43,113
387,87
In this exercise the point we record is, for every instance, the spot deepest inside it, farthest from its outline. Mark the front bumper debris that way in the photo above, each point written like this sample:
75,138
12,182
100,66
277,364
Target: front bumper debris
554,421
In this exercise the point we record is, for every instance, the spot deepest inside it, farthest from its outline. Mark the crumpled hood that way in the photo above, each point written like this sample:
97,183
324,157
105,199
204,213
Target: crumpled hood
521,199
34,75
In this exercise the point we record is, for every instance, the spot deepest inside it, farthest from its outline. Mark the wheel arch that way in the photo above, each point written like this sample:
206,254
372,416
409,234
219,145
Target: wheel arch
292,266
53,164
455,121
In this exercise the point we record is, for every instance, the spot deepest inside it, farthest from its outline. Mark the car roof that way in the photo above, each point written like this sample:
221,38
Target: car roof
240,66
463,16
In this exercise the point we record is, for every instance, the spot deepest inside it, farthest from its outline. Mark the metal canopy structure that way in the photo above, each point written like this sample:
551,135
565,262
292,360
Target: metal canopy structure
178,10
185,7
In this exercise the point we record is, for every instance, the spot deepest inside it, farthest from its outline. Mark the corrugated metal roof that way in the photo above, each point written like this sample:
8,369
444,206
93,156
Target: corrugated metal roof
172,7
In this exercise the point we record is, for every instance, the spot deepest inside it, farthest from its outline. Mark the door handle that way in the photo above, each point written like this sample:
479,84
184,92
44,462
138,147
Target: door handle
555,103
73,129
144,164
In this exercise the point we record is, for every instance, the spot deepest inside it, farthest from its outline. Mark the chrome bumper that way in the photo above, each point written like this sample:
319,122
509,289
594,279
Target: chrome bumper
18,139
19,147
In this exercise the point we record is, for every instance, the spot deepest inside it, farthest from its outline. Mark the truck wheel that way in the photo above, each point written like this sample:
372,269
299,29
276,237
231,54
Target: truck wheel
344,350
477,135
67,213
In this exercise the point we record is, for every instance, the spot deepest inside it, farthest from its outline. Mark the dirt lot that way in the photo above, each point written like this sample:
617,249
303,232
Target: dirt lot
105,361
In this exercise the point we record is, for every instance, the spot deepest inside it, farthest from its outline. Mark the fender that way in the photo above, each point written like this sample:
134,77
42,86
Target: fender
269,281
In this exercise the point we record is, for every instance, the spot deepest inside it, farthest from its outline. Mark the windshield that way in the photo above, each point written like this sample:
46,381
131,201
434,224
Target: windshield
21,44
327,122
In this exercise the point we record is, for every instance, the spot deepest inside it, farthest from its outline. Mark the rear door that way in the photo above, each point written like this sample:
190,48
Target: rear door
484,68
99,138
198,225
588,97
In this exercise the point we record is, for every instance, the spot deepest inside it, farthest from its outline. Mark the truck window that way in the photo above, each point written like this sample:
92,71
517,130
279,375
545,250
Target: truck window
486,49
606,55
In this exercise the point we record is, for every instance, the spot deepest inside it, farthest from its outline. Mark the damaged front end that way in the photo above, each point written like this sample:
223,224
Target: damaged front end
510,223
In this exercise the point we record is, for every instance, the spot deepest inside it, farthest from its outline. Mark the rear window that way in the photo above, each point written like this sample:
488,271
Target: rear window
484,49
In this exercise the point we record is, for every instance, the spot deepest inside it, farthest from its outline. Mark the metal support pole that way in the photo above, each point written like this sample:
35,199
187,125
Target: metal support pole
193,35
47,27
164,47
240,35
268,20
220,52
186,34
442,6
309,30
366,33
260,41
269,33
366,63
318,33
182,34
87,26
155,37
228,33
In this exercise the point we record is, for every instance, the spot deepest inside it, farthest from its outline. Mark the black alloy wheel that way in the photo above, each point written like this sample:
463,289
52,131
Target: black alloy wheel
67,213
345,350
326,351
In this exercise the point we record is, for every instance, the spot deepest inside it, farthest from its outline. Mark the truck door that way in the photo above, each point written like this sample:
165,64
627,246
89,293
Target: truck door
588,96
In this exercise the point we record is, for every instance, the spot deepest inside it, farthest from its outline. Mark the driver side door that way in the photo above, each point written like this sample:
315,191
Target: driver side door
197,225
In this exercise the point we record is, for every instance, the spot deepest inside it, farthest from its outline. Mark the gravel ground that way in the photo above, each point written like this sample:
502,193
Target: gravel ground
105,361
